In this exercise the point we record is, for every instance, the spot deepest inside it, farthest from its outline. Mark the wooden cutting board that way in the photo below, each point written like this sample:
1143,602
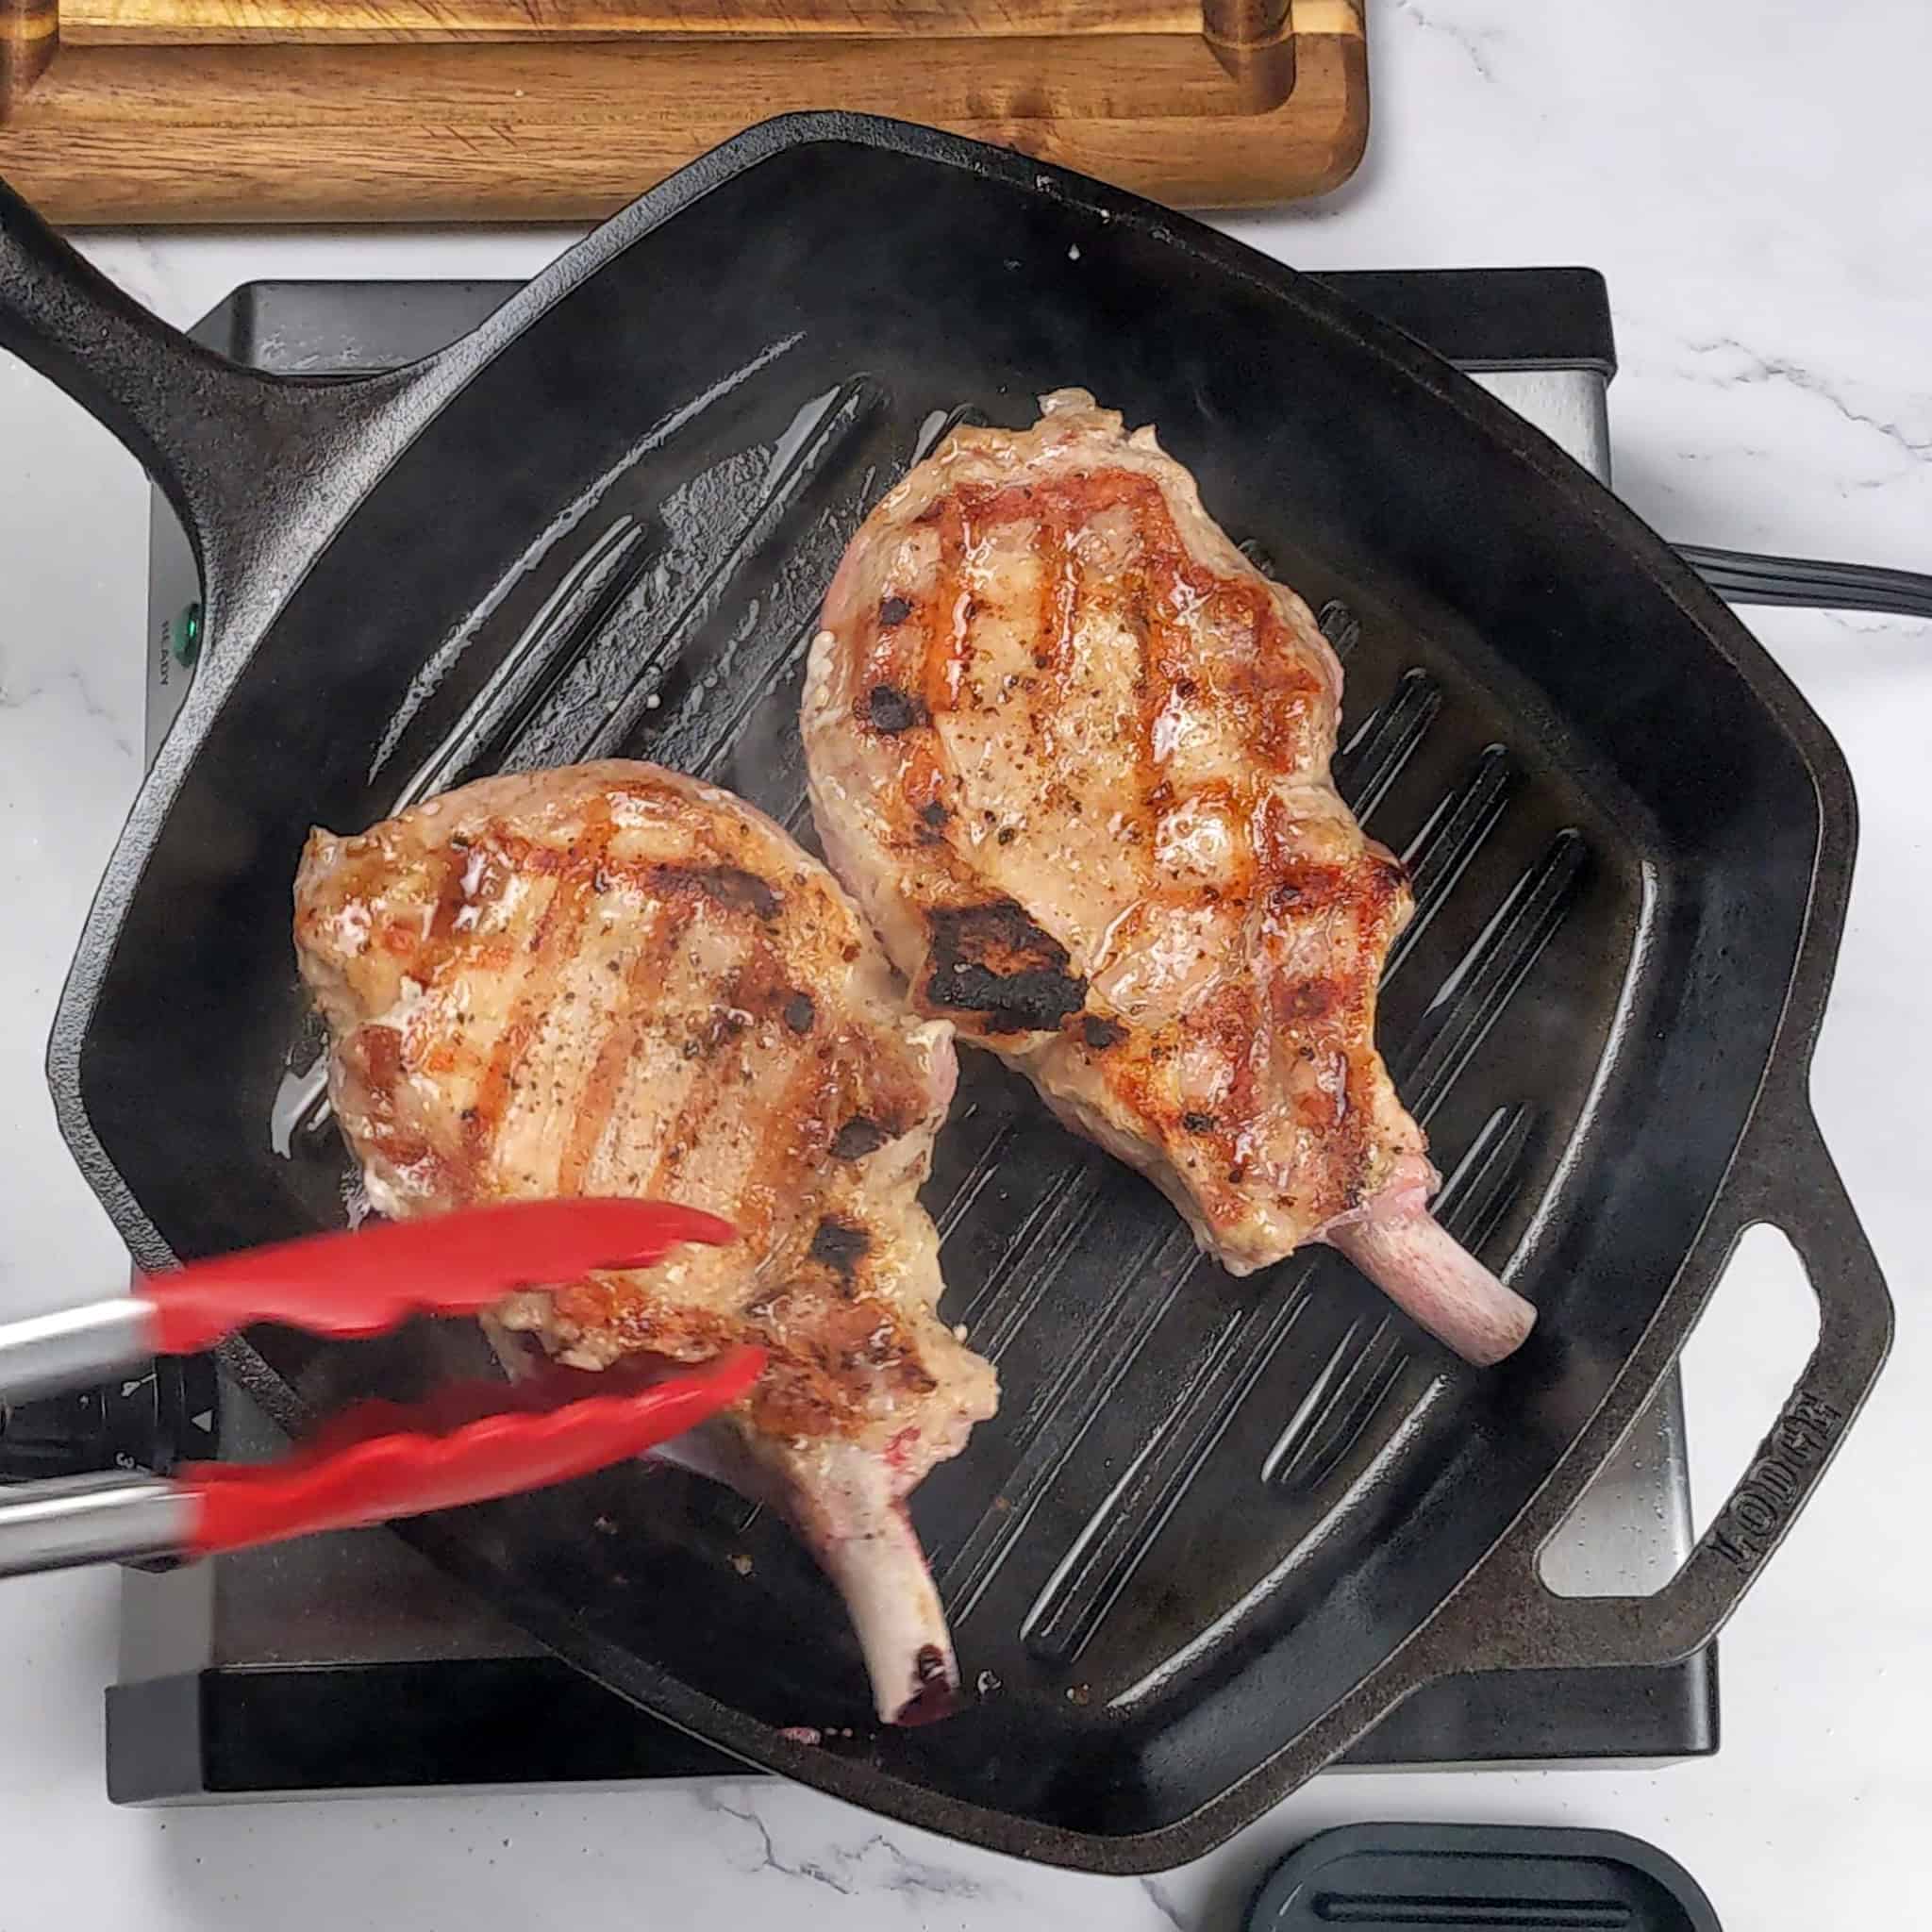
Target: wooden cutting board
247,111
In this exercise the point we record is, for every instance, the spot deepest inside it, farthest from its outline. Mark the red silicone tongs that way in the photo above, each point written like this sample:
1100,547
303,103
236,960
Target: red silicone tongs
377,1461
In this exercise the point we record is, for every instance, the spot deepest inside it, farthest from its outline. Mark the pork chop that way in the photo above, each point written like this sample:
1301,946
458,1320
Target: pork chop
610,979
1071,751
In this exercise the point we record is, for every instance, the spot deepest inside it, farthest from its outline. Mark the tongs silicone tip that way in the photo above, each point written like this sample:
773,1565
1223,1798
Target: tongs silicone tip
352,1286
378,1461
381,1461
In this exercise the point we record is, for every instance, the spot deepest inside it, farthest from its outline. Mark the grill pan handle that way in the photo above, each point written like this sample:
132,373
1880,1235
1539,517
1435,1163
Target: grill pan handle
249,461
1785,1176
1741,577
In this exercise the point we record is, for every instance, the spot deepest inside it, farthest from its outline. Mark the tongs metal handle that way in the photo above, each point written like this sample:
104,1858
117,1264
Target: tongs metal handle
378,1461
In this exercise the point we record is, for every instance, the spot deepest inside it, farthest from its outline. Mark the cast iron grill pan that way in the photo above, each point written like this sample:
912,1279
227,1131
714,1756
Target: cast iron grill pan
1217,1527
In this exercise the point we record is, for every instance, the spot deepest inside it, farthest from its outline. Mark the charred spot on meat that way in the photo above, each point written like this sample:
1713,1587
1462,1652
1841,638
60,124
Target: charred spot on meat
893,710
859,1137
996,961
840,1245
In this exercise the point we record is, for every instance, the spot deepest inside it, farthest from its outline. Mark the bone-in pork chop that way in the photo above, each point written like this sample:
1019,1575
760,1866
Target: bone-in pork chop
612,981
1071,751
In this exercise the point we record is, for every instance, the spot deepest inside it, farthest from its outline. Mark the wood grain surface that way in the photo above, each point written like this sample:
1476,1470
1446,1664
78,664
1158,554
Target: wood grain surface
213,22
561,127
28,32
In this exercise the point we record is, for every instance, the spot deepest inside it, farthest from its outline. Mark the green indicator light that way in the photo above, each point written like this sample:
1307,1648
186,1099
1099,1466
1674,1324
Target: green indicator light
184,635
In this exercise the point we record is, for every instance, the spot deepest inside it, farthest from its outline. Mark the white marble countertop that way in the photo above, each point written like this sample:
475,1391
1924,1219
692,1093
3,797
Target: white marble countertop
1754,184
